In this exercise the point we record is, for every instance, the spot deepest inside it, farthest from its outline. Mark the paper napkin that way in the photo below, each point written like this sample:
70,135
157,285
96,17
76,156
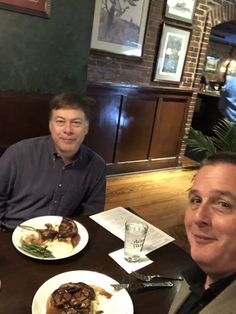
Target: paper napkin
118,256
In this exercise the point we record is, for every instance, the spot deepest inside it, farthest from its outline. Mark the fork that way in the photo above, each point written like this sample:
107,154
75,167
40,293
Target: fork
148,278
30,228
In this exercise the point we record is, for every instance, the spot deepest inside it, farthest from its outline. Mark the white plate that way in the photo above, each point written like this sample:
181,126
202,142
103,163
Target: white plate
119,303
39,222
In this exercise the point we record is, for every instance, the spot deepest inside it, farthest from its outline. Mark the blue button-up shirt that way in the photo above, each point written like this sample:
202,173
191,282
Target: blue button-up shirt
227,102
34,181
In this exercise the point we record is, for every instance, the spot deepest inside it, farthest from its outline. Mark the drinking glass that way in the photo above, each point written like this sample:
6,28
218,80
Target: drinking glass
135,234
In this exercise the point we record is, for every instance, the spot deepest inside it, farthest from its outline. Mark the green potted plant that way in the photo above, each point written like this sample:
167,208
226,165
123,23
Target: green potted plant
224,139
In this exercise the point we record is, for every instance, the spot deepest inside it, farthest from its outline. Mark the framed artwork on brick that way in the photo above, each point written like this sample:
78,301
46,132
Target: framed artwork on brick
33,7
172,53
211,63
181,10
119,26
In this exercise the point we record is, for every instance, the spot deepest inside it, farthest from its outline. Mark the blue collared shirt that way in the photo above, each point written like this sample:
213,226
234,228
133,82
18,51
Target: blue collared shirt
227,102
34,181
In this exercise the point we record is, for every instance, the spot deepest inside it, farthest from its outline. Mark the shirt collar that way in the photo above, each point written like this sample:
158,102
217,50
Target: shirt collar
195,277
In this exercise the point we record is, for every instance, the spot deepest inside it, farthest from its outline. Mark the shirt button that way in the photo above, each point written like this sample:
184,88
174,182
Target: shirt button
60,185
55,202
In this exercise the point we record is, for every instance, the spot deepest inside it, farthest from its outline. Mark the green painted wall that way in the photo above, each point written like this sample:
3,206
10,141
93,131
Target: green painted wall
46,55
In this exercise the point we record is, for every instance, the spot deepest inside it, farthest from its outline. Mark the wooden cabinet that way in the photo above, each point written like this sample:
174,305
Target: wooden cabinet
168,126
102,135
136,129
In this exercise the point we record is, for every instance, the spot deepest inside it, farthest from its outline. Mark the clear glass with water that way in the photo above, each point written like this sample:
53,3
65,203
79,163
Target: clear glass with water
135,234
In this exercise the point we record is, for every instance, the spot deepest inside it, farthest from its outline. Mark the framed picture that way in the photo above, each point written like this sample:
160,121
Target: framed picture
33,7
119,26
182,10
211,64
172,54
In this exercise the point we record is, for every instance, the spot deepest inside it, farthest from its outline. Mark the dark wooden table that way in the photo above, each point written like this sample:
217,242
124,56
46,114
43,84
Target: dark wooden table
21,276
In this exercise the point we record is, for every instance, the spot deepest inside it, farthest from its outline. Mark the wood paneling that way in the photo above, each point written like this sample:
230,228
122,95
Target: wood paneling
169,127
22,116
104,125
132,128
135,129
146,126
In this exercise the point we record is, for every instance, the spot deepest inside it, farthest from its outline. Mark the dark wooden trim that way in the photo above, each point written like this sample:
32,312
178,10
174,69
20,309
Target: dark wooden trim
127,89
139,166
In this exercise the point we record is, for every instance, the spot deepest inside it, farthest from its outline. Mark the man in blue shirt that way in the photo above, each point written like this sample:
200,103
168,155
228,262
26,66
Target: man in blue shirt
54,174
227,102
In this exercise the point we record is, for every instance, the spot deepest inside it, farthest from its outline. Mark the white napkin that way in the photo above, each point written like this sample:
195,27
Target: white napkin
118,256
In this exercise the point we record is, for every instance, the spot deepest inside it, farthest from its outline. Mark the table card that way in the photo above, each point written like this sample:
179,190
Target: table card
114,221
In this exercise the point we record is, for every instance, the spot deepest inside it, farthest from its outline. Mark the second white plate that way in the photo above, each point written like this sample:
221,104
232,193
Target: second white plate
38,223
119,303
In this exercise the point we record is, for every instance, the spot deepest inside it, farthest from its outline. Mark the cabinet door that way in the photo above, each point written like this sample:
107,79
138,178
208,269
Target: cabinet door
135,130
169,127
103,126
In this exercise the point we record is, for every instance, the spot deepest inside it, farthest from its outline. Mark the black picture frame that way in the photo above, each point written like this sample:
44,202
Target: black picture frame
171,54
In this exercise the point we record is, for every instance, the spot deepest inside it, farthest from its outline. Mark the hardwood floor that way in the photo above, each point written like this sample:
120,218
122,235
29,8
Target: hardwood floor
160,197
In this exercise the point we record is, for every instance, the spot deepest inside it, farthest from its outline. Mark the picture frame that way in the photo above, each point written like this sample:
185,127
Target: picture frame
181,10
34,7
211,63
172,54
120,30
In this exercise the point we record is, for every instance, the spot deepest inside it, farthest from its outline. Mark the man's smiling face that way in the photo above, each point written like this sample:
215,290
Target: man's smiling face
210,219
68,129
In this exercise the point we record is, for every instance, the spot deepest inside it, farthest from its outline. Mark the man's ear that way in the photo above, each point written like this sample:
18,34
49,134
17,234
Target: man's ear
49,125
87,129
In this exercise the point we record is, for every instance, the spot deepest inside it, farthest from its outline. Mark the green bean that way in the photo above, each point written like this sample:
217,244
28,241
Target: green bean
36,250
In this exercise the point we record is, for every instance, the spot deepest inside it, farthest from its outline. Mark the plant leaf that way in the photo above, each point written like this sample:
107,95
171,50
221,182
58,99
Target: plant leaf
225,136
199,142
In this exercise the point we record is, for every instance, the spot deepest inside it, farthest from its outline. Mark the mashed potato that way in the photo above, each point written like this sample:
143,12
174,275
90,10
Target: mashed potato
59,248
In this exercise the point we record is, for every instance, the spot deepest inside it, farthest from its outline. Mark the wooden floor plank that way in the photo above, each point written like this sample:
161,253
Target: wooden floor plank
160,197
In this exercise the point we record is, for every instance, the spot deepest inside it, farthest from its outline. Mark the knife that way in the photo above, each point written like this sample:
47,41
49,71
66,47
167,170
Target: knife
140,285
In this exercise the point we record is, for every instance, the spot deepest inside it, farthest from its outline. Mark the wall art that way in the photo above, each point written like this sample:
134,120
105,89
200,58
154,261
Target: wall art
172,53
119,26
211,63
33,7
182,10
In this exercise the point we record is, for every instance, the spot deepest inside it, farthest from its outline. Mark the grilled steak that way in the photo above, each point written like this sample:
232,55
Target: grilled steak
67,232
48,234
68,229
73,298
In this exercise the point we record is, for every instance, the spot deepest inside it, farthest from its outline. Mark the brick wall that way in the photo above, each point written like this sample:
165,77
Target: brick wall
106,67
